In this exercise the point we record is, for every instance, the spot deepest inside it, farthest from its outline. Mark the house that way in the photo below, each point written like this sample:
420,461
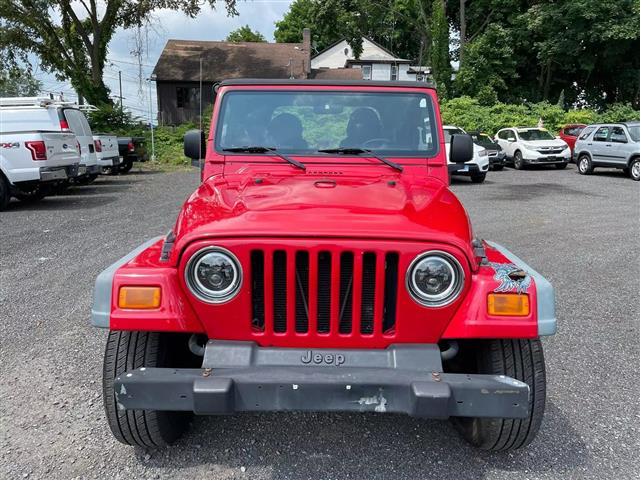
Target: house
184,63
375,62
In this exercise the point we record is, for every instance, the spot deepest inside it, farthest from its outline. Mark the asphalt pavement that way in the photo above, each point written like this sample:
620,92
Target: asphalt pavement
581,232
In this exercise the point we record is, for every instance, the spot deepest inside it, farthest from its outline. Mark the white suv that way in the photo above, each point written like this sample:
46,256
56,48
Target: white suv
477,168
33,155
533,146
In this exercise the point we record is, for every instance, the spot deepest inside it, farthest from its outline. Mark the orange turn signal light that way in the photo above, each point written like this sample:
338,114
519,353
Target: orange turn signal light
139,297
508,304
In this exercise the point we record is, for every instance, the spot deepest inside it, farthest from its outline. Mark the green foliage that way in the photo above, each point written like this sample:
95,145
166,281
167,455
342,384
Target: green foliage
18,82
245,34
468,113
394,24
111,119
72,42
488,63
169,144
620,112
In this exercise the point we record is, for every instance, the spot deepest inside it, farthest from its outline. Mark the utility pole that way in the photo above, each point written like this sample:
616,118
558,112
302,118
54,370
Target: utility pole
120,81
153,143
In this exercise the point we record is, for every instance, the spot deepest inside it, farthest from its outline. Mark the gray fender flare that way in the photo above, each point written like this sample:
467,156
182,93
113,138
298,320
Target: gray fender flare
101,310
545,293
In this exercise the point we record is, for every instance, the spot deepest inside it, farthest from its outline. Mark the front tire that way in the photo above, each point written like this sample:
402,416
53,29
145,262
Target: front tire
142,428
524,361
561,166
585,167
518,161
478,178
634,169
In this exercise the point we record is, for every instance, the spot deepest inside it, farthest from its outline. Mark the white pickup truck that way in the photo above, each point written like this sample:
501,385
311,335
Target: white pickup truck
33,157
107,151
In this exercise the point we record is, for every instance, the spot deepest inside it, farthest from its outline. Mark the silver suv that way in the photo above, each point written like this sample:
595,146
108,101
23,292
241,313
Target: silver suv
614,145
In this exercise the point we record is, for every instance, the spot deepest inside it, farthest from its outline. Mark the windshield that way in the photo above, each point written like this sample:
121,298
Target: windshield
634,131
482,138
451,131
305,122
535,134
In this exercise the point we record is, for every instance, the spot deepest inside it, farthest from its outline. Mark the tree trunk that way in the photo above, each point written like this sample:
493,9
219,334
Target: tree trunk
547,81
463,29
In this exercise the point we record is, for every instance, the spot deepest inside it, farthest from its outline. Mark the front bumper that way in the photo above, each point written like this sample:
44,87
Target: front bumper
467,169
498,159
536,158
241,377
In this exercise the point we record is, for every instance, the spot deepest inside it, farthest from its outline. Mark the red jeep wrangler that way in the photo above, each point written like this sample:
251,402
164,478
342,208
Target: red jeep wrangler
324,265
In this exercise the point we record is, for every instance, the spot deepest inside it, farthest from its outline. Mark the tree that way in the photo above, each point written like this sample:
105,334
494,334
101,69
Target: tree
394,24
440,61
71,38
245,34
489,64
18,82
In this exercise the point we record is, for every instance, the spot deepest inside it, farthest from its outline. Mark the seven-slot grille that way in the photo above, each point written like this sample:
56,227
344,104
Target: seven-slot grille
324,292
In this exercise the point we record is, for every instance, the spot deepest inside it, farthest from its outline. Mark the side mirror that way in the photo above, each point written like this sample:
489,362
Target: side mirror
511,139
195,146
461,149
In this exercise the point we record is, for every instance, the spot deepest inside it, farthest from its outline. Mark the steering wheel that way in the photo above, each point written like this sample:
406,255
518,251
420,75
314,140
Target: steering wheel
375,142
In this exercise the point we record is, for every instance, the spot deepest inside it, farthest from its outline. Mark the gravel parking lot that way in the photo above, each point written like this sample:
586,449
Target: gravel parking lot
580,232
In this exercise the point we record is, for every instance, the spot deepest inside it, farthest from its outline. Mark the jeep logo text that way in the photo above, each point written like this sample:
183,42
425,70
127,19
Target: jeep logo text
320,359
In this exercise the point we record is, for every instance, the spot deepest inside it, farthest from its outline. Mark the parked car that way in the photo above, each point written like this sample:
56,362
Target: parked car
33,157
330,269
132,149
497,157
477,168
533,146
614,145
107,151
569,134
60,116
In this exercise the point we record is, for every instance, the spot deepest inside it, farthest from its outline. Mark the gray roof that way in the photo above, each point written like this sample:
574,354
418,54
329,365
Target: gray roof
180,60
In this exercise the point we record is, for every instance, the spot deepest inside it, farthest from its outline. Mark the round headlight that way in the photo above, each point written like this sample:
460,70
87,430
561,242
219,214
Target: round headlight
435,279
214,275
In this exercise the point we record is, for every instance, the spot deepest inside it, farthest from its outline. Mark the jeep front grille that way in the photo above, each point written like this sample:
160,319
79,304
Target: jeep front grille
324,292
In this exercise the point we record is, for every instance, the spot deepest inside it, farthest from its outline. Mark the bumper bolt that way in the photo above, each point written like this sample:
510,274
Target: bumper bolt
436,376
206,372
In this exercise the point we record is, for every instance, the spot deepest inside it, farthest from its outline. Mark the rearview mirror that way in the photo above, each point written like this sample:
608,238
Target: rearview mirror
195,146
461,148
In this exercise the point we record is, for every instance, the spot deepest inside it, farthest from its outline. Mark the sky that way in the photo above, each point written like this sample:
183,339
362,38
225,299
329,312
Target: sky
260,15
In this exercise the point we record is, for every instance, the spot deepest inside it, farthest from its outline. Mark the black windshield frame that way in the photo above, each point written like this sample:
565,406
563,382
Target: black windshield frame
431,128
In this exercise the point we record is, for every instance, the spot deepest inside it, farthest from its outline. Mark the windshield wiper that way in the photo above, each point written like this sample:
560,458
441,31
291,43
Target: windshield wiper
360,151
260,149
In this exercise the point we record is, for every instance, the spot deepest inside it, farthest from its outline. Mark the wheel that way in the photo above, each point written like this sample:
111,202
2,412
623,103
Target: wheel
125,166
518,161
524,361
131,350
561,166
585,167
478,178
634,169
5,193
497,168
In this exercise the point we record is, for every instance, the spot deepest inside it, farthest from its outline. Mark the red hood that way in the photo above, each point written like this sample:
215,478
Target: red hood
325,204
